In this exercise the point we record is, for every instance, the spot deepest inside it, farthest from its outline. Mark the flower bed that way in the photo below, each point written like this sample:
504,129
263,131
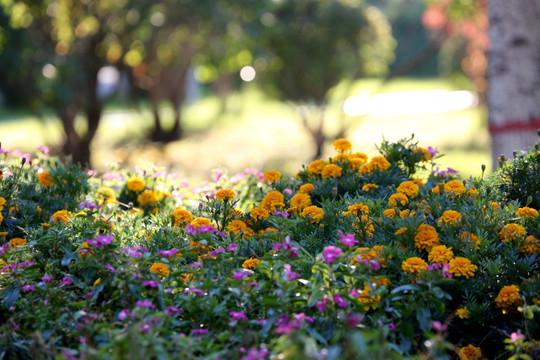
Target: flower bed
352,258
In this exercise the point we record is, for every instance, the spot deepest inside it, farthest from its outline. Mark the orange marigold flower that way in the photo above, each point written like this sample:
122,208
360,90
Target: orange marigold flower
377,163
526,212
462,313
45,178
272,200
426,155
314,213
316,167
160,268
272,176
406,213
136,184
414,265
259,213
299,202
473,193
450,217
331,171
1,218
60,216
342,145
470,237
106,195
236,226
2,202
454,188
460,266
147,198
400,231
367,224
340,158
368,187
249,264
97,281
225,194
508,297
397,200
440,254
201,221
470,352
530,246
437,189
3,234
181,217
512,231
356,160
408,188
16,242
389,213
306,188
426,237
355,209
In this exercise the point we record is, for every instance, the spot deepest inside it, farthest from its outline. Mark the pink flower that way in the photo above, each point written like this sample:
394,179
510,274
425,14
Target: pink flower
331,253
516,336
27,288
321,304
66,281
439,326
232,247
167,253
347,240
291,275
123,314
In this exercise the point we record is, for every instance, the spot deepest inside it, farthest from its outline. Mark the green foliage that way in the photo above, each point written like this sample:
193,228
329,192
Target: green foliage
136,257
517,179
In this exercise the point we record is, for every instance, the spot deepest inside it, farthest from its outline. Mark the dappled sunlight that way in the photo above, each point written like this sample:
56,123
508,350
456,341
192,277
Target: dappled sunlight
409,102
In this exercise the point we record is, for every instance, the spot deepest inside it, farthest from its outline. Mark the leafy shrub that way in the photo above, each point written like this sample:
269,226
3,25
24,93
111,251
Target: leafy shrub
351,258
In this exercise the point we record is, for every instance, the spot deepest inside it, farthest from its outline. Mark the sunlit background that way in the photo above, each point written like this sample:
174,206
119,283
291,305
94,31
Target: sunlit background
233,85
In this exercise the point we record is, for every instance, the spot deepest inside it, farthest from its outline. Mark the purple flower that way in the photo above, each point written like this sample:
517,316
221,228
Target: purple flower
27,288
331,253
145,304
47,278
321,304
287,191
240,274
232,247
100,241
432,151
167,253
375,265
281,213
219,250
347,240
340,301
284,326
199,331
110,268
172,310
151,283
303,316
256,354
192,290
238,316
392,326
291,275
123,314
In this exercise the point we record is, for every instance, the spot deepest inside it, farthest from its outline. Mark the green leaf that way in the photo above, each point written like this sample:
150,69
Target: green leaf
317,336
423,316
11,295
405,288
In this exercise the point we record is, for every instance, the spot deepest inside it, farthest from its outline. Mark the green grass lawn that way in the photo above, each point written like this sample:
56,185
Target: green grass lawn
255,131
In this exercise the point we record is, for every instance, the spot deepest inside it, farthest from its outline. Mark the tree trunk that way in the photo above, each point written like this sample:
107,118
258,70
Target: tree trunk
513,95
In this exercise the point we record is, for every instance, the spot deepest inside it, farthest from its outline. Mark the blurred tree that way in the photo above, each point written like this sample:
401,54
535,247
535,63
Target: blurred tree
460,27
66,43
183,35
513,96
308,47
